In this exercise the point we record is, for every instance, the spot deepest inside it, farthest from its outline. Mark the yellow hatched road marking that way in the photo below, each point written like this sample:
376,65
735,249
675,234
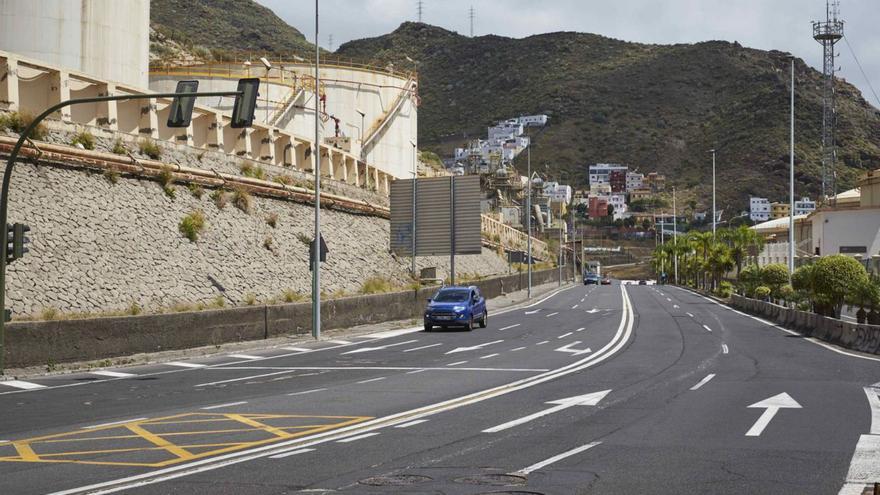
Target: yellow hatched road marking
256,424
160,442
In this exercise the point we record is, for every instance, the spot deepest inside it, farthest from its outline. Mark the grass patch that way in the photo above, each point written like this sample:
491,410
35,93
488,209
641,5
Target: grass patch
192,225
291,296
376,285
242,200
84,139
196,190
49,314
269,243
272,220
255,171
250,299
111,175
150,148
19,121
304,238
220,198
118,147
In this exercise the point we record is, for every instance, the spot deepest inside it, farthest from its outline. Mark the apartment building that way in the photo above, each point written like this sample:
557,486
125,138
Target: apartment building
759,209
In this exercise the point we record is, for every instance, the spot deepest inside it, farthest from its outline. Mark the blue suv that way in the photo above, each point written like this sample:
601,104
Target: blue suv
456,306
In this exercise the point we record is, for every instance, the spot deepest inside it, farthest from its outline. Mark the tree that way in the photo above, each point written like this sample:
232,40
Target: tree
833,279
775,276
741,240
610,210
719,262
646,225
864,295
749,280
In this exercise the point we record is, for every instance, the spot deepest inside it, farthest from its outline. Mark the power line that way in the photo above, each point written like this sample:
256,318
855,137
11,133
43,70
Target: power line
859,64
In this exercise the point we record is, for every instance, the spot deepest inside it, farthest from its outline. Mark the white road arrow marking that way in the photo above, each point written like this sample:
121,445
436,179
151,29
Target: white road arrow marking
576,352
580,400
771,406
473,348
379,348
591,311
675,306
532,312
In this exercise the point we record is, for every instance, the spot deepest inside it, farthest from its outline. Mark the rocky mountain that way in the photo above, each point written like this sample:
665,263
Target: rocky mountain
656,107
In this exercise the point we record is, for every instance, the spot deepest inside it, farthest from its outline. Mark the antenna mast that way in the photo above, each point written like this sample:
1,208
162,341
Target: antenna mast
420,9
471,15
828,33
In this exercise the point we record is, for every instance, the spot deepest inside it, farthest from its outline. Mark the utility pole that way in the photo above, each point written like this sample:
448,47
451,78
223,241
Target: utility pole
316,164
559,257
675,234
414,197
791,184
529,218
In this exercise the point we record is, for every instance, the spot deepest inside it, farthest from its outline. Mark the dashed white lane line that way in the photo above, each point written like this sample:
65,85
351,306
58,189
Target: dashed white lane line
551,314
707,328
574,307
456,363
422,347
543,342
113,423
357,437
304,392
412,423
690,314
373,379
114,374
487,356
297,349
251,377
360,350
340,342
185,365
670,300
221,406
21,384
243,356
581,329
564,335
557,458
413,372
517,349
703,381
292,452
583,299
508,327
675,306
724,348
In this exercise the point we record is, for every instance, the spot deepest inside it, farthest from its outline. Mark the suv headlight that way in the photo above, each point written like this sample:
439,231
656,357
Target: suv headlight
459,308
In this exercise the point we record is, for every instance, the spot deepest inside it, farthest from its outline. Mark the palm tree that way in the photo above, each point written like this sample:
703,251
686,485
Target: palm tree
741,240
719,262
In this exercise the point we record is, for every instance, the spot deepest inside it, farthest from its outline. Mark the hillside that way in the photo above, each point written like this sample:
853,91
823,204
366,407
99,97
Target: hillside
222,27
657,107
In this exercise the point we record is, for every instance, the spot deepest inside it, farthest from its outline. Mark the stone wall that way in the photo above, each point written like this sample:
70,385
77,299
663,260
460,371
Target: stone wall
864,338
99,245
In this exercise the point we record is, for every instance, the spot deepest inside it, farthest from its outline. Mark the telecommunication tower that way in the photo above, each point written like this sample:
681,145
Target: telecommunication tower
330,42
420,9
828,33
471,15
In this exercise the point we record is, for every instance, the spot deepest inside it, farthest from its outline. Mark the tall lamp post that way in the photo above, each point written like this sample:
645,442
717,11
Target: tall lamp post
791,185
413,226
675,234
529,219
714,216
316,156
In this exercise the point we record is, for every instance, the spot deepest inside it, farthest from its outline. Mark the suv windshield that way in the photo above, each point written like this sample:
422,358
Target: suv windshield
451,296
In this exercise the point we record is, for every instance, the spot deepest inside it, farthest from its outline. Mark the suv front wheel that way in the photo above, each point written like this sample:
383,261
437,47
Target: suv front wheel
484,320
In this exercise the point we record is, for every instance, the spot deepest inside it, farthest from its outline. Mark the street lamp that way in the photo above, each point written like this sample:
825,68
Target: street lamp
413,226
714,217
316,157
791,185
362,114
529,219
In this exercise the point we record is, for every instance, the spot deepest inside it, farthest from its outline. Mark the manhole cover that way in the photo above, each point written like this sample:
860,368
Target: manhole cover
395,480
493,479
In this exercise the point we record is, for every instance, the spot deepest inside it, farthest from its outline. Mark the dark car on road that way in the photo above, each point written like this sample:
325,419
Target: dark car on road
456,307
591,278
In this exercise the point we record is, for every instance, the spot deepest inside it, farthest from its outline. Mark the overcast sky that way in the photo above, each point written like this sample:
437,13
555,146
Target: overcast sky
765,24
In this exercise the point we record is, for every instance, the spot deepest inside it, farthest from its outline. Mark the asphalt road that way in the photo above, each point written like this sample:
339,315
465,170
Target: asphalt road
611,389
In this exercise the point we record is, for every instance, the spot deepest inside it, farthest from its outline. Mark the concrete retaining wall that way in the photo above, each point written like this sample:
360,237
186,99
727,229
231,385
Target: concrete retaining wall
864,338
43,342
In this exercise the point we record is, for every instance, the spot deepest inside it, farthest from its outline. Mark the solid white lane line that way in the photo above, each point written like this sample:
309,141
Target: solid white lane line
509,327
517,349
489,356
297,349
557,458
357,437
422,347
707,328
456,363
873,393
221,406
250,377
574,307
242,356
378,348
551,314
114,374
724,349
292,452
340,342
412,423
581,329
113,423
703,381
413,372
185,365
690,314
543,342
564,335
22,384
373,379
304,392
380,368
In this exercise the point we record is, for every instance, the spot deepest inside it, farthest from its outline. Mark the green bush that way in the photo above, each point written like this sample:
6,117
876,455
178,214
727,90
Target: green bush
762,292
84,139
749,279
192,225
19,121
774,276
834,278
725,289
150,148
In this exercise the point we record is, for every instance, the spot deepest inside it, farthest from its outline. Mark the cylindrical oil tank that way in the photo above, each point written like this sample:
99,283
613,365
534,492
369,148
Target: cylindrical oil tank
108,39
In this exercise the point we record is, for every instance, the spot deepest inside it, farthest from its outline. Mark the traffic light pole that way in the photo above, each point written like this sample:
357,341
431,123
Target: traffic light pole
7,178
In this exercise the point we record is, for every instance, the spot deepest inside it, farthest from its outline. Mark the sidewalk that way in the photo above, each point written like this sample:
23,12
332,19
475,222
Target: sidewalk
506,301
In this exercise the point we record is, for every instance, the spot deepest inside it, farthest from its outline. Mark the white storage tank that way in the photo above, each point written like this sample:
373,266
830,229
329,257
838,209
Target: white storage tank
109,39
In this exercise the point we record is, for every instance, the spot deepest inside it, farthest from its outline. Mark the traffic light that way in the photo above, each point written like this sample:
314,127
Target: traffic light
182,106
16,241
245,102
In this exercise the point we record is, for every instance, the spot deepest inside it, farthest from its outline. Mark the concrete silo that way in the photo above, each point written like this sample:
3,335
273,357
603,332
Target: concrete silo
108,39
